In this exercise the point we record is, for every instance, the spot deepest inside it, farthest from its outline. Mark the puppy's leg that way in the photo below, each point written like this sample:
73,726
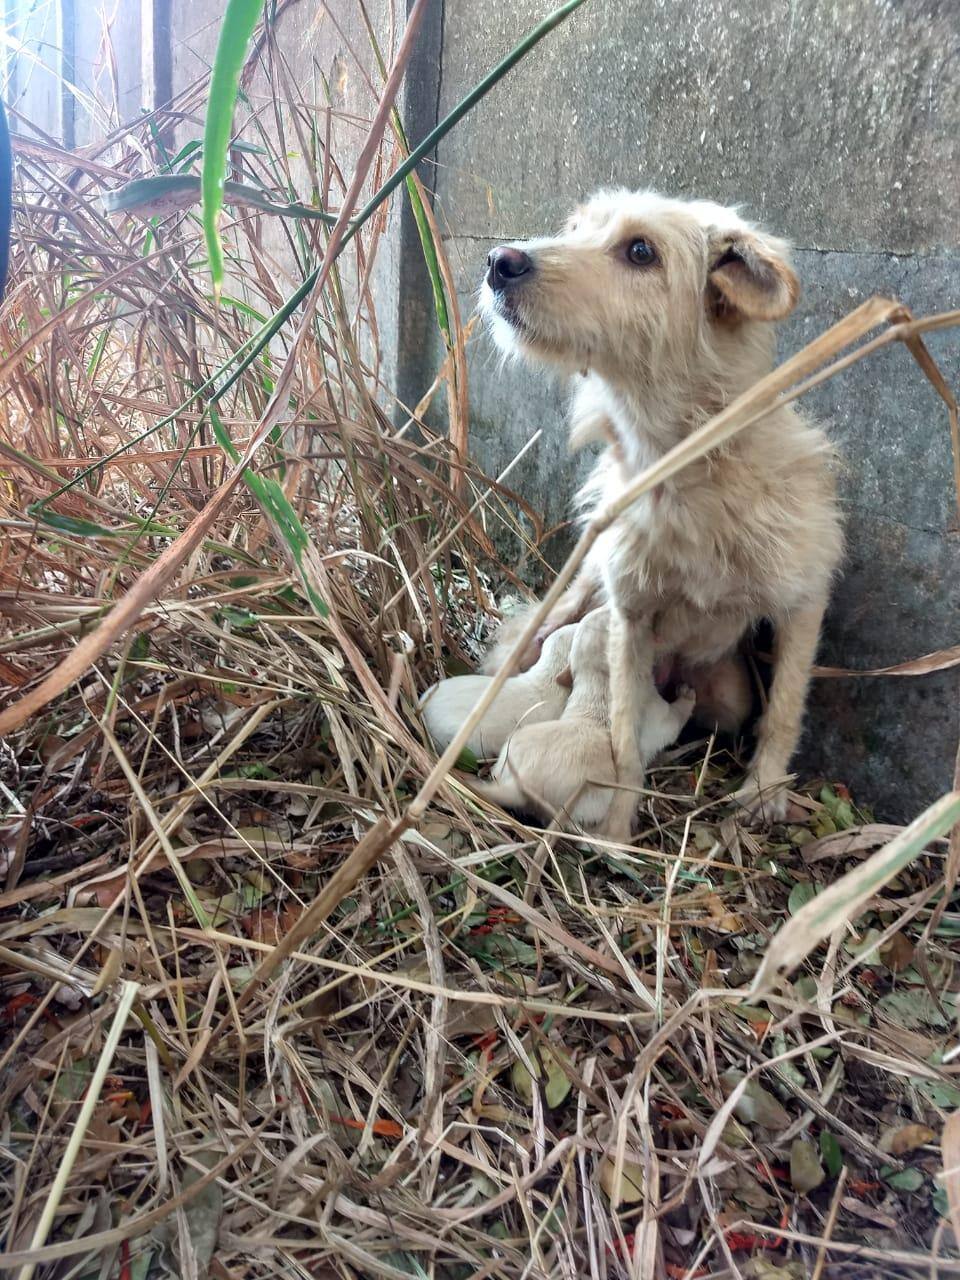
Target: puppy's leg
631,673
661,721
584,593
506,792
795,646
508,633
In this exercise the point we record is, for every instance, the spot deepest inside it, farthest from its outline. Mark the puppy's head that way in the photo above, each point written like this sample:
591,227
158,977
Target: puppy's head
637,284
588,655
555,656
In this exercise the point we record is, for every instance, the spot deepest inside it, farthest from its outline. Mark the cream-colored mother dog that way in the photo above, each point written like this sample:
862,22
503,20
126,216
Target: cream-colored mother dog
665,309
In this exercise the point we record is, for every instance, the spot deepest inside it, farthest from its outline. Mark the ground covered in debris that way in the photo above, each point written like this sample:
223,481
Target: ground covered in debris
496,1052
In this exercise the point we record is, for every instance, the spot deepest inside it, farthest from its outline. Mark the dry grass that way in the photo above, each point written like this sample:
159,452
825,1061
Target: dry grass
479,1049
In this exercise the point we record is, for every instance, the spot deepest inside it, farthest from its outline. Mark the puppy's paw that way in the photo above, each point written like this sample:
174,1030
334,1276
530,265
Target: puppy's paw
531,655
762,805
685,701
617,826
617,832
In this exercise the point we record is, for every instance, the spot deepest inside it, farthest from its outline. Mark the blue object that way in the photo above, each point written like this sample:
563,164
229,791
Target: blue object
6,196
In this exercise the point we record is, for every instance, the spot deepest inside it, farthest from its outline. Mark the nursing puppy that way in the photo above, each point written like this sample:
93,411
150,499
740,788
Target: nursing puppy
666,308
566,766
538,694
723,687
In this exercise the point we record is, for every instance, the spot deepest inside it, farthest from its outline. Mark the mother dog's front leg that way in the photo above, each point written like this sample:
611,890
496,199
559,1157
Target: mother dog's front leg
583,594
631,674
795,645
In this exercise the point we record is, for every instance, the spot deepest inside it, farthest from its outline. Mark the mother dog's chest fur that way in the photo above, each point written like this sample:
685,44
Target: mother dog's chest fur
663,553
753,533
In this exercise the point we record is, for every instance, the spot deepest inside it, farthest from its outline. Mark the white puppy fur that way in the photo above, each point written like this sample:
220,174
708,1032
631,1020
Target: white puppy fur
538,694
566,767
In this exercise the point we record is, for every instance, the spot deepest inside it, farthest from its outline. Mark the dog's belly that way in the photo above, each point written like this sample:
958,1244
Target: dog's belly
697,637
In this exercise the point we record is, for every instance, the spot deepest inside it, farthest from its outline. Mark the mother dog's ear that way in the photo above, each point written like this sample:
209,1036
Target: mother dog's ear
750,278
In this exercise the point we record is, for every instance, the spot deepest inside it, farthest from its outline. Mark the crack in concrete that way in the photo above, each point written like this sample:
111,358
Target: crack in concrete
436,110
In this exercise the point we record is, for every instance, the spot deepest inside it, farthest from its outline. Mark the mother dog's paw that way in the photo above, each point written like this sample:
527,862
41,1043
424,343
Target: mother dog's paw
762,804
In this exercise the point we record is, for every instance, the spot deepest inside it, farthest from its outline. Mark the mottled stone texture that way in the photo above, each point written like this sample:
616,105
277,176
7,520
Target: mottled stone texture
899,597
837,125
835,122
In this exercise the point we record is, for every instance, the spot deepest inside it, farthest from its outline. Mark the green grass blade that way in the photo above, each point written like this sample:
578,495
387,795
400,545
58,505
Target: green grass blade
416,204
432,261
235,33
76,527
276,506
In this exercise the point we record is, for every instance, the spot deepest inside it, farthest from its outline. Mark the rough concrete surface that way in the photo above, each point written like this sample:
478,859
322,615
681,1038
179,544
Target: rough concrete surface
836,122
899,596
837,125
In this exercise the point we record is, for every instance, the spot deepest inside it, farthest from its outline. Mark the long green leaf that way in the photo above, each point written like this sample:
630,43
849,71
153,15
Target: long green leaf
74,525
238,24
169,192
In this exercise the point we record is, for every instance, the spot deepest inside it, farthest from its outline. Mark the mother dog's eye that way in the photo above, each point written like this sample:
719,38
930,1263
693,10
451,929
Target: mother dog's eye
641,253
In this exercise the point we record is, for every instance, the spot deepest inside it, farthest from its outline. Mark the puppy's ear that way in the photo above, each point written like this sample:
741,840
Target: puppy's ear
750,278
565,678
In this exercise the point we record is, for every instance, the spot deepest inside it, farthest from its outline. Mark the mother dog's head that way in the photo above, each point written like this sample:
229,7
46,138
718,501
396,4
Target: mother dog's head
638,286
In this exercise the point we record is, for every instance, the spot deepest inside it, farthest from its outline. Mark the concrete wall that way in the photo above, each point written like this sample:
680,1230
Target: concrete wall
835,124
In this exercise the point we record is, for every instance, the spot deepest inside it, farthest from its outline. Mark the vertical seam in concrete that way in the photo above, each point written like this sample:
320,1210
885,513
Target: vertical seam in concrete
157,21
67,19
414,292
156,60
436,109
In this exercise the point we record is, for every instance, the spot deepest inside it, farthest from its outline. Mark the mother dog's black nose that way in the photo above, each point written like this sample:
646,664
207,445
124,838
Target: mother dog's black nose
505,266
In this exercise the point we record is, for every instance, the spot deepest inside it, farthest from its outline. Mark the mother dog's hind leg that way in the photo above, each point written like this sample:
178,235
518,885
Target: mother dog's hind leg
795,646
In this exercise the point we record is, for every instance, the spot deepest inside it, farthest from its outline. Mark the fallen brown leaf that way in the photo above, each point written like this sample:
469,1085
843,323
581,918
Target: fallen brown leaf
899,1141
897,953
